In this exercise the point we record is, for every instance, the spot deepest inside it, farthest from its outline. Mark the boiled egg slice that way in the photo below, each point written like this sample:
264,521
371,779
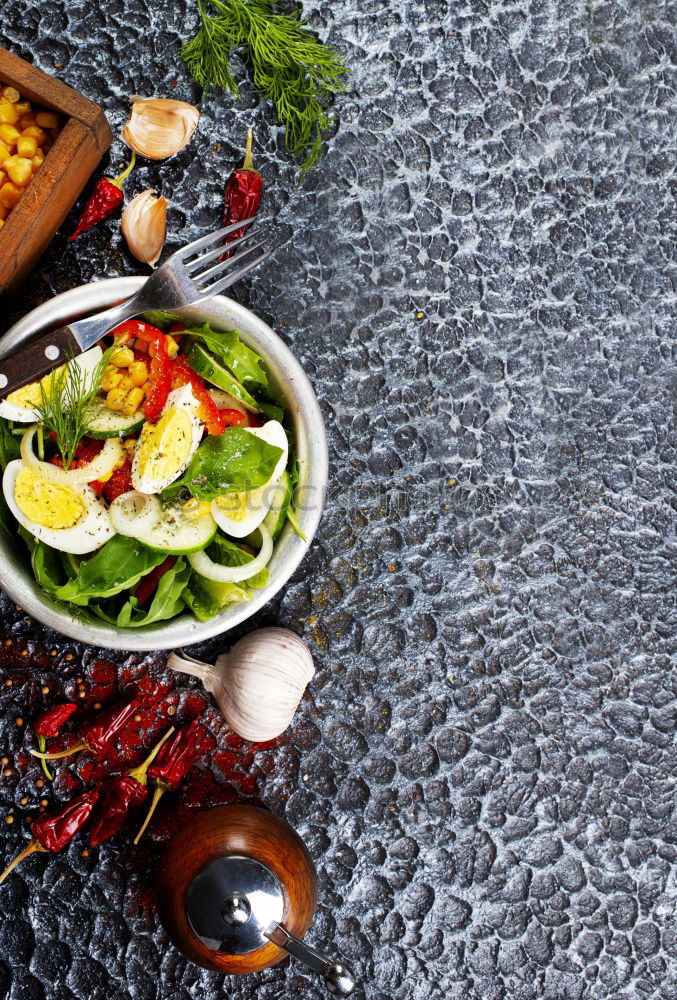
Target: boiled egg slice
164,449
239,513
20,404
68,518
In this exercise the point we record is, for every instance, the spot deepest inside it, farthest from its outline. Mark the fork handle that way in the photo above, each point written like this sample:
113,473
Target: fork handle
27,364
36,359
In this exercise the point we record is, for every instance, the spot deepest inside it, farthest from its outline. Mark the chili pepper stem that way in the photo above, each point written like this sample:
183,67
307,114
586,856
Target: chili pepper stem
139,773
121,178
248,161
42,746
157,795
31,848
80,745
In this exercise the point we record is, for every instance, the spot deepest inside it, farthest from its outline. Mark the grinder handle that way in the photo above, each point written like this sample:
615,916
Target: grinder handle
338,980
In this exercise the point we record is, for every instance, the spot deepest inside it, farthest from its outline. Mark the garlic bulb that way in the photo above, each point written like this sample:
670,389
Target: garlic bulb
144,226
158,127
258,684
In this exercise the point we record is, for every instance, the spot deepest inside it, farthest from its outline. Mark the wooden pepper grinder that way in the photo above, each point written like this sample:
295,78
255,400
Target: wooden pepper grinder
237,892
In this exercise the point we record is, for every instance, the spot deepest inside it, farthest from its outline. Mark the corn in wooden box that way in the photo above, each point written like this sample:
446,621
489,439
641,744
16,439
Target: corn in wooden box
55,186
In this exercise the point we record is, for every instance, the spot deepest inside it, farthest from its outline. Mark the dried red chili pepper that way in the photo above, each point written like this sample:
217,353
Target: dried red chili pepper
53,831
122,794
103,202
171,767
149,583
98,735
48,725
160,374
243,194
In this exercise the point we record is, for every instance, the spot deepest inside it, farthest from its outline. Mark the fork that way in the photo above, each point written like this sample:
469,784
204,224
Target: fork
183,280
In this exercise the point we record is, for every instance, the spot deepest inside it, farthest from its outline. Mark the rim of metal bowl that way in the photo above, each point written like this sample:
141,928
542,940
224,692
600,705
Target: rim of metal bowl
290,385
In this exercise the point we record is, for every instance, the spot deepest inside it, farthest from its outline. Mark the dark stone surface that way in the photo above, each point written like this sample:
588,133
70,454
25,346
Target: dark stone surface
482,769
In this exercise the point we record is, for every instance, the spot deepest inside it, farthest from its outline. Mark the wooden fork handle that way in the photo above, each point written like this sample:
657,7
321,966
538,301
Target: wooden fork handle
30,363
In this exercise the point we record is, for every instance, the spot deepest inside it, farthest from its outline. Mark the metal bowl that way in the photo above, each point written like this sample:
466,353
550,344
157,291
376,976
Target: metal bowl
289,385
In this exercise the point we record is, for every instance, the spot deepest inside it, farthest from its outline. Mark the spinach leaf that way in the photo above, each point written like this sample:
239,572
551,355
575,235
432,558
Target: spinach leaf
104,610
117,566
167,601
9,443
232,462
244,363
45,561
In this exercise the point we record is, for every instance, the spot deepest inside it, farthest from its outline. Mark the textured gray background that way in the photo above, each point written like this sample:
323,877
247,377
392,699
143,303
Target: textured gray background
483,768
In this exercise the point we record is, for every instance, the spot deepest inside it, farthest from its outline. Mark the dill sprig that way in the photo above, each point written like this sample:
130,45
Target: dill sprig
67,401
290,66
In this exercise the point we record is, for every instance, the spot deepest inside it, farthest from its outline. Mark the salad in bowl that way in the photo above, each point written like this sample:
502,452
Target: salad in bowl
151,475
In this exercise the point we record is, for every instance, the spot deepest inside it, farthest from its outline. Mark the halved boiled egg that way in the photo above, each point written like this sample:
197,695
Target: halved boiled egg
165,448
239,513
69,518
20,404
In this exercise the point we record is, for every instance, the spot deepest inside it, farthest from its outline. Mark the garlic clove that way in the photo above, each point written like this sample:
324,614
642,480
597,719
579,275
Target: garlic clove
258,685
158,127
144,226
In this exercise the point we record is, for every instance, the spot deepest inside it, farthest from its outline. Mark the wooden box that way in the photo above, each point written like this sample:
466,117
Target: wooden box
55,188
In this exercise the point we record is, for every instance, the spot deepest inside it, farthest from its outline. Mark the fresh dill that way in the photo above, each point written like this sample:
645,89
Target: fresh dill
290,66
66,403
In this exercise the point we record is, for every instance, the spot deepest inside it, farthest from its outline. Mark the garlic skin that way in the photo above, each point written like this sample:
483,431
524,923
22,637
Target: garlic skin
158,127
257,685
144,226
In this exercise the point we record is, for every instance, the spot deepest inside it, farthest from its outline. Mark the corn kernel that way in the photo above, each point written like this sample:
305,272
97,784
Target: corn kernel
27,145
2,222
116,398
4,153
11,94
20,170
36,132
126,383
111,379
122,357
129,445
10,194
138,372
26,121
37,160
4,212
47,119
172,346
133,402
23,108
9,134
8,115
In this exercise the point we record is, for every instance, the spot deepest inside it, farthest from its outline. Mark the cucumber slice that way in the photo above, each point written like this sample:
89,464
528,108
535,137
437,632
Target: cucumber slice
206,365
105,423
178,535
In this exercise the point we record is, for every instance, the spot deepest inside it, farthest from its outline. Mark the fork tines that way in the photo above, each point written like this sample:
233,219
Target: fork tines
202,275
